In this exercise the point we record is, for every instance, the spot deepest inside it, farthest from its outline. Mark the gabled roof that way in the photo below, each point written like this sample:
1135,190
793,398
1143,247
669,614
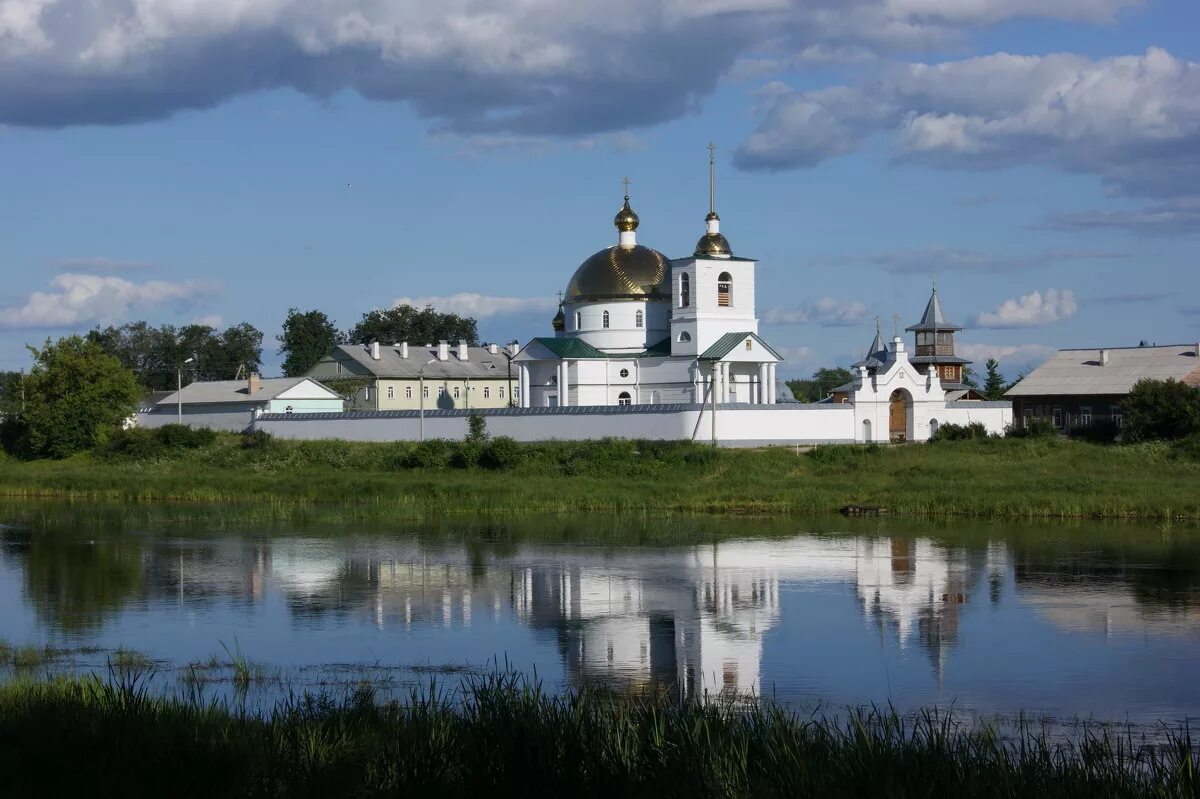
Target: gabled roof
934,318
726,344
1075,372
217,392
480,362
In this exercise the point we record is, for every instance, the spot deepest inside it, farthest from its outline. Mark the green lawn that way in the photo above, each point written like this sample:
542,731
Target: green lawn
1002,478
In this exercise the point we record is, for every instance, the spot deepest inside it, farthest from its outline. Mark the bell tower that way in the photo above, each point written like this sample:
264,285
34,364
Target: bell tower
712,292
935,343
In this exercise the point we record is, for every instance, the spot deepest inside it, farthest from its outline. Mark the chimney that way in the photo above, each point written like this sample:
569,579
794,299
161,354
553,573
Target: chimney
404,349
1104,357
443,350
494,350
255,384
514,348
375,350
463,354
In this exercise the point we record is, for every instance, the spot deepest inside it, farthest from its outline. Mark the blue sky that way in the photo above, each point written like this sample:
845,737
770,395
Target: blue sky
226,161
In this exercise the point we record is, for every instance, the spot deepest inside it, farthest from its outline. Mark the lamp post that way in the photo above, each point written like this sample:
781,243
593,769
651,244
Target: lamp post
421,398
179,389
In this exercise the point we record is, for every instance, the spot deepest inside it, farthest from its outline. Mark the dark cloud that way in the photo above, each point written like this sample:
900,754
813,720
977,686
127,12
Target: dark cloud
1177,217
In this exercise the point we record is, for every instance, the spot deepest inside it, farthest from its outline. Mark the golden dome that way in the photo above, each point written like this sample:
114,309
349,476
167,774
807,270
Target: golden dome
620,273
560,320
626,220
712,244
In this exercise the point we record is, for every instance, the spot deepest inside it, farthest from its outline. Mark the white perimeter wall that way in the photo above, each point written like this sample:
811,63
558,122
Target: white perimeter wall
736,425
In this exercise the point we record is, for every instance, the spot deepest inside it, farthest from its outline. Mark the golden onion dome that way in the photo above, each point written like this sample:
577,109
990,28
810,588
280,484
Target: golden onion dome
626,220
620,273
714,245
560,320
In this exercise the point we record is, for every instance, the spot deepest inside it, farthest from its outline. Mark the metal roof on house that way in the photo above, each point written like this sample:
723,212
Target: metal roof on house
1072,372
216,392
934,318
726,343
480,363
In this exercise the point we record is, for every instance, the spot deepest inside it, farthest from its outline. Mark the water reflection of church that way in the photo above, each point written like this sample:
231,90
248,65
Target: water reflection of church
693,620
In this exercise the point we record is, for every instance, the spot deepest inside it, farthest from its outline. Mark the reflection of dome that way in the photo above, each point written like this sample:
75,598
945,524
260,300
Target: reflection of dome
619,273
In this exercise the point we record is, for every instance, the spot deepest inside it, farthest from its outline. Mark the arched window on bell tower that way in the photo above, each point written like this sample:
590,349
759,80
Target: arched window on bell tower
724,290
639,319
685,290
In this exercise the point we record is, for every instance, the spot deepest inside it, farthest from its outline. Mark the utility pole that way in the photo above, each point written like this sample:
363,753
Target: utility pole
179,390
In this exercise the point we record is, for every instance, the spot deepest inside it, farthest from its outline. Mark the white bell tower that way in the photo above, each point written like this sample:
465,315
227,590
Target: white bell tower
712,292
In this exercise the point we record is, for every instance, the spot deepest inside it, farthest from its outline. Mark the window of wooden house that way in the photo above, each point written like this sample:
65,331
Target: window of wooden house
1056,417
1085,415
724,290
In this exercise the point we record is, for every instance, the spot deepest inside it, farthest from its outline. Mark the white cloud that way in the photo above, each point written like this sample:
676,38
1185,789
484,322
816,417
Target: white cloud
474,66
1133,120
480,306
1032,310
77,300
827,312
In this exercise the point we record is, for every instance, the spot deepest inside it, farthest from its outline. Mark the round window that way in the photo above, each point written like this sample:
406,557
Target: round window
624,373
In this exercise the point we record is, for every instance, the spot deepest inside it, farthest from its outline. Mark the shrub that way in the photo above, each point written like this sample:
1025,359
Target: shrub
1100,431
257,439
476,428
975,431
1033,428
847,456
1161,409
181,436
433,453
1187,449
14,437
467,454
501,453
137,444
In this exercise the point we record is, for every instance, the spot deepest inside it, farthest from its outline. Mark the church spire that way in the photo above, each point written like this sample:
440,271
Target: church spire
712,244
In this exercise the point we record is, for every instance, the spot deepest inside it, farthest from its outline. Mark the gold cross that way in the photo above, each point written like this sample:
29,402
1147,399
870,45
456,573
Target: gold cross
626,181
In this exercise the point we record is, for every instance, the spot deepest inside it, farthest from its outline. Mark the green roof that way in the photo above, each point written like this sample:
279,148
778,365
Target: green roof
725,344
570,348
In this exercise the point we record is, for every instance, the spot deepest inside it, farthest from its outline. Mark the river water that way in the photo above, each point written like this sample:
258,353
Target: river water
1083,621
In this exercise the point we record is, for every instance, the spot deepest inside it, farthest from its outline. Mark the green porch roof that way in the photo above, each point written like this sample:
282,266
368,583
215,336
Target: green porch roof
726,343
570,348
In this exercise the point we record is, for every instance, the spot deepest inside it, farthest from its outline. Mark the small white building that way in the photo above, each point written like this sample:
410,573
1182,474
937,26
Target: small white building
234,404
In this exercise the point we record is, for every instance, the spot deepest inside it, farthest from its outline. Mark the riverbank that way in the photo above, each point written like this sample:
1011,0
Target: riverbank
1001,479
500,735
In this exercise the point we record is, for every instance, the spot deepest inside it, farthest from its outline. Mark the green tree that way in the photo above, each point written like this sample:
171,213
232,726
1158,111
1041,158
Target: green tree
155,353
1161,409
406,323
994,385
819,386
10,393
969,378
76,395
307,337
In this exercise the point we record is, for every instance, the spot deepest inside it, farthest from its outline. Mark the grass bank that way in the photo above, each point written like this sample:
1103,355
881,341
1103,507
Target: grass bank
1000,478
503,736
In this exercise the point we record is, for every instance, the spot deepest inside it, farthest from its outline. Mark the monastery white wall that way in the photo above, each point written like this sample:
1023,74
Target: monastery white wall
737,425
214,417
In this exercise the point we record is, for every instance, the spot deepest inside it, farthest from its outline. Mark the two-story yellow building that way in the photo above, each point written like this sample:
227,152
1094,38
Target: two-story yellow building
403,376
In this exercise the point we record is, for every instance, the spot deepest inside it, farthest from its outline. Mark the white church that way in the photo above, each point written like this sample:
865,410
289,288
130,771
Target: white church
650,347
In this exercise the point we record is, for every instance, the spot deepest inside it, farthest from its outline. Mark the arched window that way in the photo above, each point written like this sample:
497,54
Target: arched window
604,322
684,337
724,290
685,290
639,319
578,320
624,399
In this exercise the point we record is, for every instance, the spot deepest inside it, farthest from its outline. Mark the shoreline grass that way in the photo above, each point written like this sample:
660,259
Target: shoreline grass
1000,479
504,735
